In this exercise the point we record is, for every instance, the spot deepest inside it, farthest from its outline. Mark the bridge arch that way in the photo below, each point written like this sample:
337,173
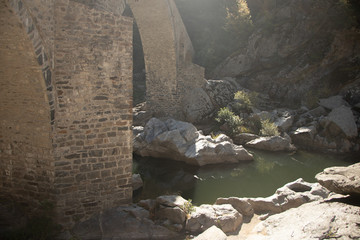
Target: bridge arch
168,52
70,131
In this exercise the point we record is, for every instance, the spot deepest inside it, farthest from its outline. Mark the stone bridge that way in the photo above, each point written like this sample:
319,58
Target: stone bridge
66,97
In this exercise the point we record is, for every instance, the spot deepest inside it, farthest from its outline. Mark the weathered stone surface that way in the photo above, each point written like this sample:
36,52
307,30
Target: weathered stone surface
243,138
274,143
212,233
174,214
136,182
284,123
66,115
333,102
343,180
171,201
241,205
304,136
291,195
341,120
223,216
312,221
197,105
122,223
181,141
221,92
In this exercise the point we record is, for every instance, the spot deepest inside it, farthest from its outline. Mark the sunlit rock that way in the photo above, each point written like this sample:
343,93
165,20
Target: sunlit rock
224,216
342,180
181,141
274,143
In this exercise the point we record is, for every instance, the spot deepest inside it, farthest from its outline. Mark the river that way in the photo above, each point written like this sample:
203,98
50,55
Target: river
259,178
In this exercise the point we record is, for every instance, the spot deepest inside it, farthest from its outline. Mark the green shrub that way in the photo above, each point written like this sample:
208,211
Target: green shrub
234,122
244,101
268,128
224,115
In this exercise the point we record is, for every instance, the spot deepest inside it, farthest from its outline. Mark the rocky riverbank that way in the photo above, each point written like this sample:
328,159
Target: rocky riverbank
298,210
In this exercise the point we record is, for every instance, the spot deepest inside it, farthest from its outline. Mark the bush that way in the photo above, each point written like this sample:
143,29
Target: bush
268,128
234,122
244,101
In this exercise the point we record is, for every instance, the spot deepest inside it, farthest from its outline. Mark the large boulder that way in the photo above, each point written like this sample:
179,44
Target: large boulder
182,142
312,221
223,216
243,138
197,105
304,136
273,143
341,121
122,223
332,102
212,233
343,180
289,196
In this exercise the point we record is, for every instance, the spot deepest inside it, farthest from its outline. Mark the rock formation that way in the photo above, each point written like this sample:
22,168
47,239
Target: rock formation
182,142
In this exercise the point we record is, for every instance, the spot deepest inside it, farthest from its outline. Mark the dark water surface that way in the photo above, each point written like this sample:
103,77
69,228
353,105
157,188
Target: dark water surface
259,178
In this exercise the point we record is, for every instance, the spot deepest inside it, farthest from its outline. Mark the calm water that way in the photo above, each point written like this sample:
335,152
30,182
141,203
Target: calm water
259,178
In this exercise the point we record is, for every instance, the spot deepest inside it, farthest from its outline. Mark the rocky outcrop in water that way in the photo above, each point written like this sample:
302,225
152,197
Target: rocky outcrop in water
181,141
289,196
342,180
331,219
298,210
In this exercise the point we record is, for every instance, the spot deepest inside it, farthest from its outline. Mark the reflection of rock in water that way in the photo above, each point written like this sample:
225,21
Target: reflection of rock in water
161,178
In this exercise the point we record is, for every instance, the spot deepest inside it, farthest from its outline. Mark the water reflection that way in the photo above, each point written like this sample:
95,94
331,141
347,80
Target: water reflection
259,178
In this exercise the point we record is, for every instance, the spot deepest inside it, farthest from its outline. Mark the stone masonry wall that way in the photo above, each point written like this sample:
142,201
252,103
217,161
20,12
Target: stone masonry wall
66,109
168,51
157,36
26,156
92,139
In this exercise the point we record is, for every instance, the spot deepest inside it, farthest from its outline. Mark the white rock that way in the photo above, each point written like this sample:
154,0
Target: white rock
274,143
212,233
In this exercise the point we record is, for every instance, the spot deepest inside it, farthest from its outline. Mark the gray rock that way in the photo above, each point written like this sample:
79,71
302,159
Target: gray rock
342,180
136,182
171,201
274,143
318,112
121,223
221,92
304,136
243,138
174,214
212,233
341,120
285,123
223,216
182,142
291,195
197,105
241,205
333,102
312,221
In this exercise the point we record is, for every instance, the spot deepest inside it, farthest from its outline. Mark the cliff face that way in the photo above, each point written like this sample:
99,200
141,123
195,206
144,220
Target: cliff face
300,50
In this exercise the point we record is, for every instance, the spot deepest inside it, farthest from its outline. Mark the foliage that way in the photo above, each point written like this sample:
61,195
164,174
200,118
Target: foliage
214,135
268,128
234,122
188,208
253,124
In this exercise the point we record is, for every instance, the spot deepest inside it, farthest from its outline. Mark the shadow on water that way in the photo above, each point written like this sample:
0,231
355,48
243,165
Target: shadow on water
259,178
